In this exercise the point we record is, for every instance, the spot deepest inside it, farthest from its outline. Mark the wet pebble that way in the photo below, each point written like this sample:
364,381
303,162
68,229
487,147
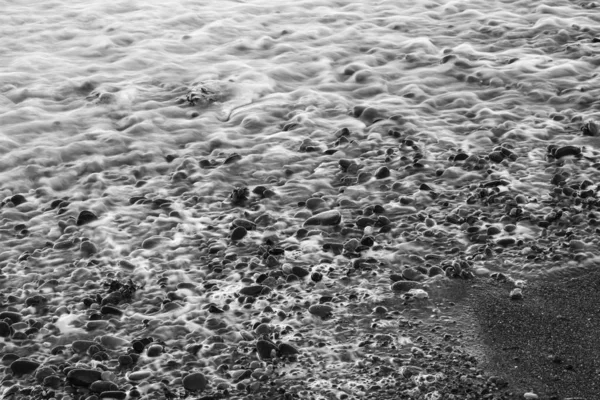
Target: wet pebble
382,172
139,375
154,350
404,286
516,294
113,394
88,248
321,310
530,396
286,349
238,233
12,315
254,290
412,274
331,217
103,386
194,382
265,348
23,366
4,329
86,217
83,377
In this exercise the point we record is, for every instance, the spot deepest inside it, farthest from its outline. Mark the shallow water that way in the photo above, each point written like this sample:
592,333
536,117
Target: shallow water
101,102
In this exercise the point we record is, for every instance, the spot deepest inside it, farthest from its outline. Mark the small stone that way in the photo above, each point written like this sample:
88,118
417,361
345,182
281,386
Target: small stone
86,217
496,156
566,151
103,386
254,290
125,360
23,366
435,270
315,203
13,316
83,377
264,348
331,217
139,375
42,373
530,396
506,241
516,294
194,382
412,274
53,381
110,310
238,233
88,248
152,242
404,286
382,172
18,199
321,310
249,225
4,329
155,350
82,346
299,271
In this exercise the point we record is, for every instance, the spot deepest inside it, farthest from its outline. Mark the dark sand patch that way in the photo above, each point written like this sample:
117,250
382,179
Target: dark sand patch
546,343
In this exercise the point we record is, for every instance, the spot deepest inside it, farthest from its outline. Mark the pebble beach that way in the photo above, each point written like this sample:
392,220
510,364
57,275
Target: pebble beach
299,200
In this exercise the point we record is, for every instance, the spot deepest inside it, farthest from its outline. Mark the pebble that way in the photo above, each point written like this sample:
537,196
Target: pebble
103,386
13,316
238,233
152,242
516,294
286,349
530,396
331,217
264,348
139,375
83,377
155,350
113,342
412,274
113,394
42,373
404,286
244,223
88,248
110,310
382,172
23,366
254,290
4,329
81,346
86,217
320,310
194,382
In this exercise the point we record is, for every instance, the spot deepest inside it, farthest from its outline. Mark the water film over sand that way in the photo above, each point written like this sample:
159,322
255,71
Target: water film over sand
299,199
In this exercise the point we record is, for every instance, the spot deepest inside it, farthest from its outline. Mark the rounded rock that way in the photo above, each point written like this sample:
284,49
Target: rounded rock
238,233
103,386
194,382
412,274
321,310
404,286
265,348
13,316
83,376
325,218
154,350
23,366
86,217
382,172
139,375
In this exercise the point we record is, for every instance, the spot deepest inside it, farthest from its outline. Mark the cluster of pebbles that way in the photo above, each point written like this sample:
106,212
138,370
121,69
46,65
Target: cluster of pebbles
275,290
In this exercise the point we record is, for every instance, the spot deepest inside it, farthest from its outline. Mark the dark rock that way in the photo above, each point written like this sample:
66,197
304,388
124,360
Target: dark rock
264,348
238,233
83,377
382,172
110,310
248,225
331,217
4,329
103,386
23,366
299,271
316,277
125,360
232,158
254,290
12,315
496,156
321,310
435,270
82,346
404,286
18,199
86,217
42,373
194,382
566,151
